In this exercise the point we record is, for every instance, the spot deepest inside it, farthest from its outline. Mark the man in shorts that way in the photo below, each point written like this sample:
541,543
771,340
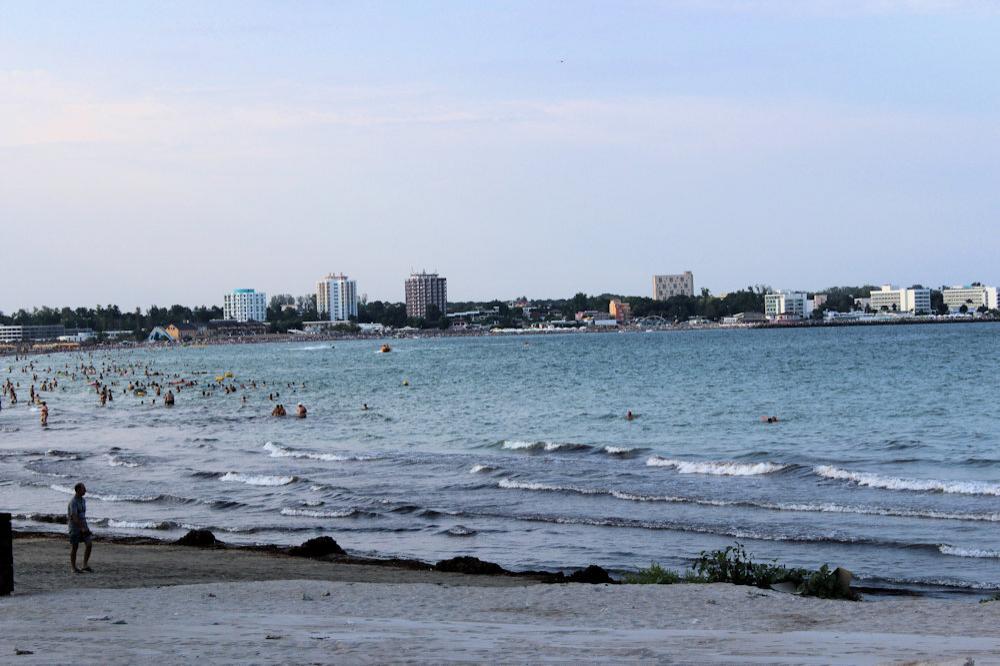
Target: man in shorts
76,515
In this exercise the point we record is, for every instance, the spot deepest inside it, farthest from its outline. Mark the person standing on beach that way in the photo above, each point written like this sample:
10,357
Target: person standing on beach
76,515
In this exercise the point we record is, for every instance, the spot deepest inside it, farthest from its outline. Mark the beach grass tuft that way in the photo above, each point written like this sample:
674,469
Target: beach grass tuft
735,565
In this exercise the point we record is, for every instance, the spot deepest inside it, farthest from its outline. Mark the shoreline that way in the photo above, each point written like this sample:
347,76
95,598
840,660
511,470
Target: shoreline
470,566
20,349
150,601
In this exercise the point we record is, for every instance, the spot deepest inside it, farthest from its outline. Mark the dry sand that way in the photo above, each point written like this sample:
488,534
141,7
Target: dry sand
177,605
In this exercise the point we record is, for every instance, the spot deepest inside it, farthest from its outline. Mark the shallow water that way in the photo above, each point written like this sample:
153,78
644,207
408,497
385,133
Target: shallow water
885,459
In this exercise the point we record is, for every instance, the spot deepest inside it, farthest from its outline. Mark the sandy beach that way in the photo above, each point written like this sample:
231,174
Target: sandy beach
161,602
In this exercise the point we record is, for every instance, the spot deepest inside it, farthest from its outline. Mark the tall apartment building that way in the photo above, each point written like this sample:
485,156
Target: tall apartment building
972,297
787,305
424,289
666,286
337,297
893,299
245,305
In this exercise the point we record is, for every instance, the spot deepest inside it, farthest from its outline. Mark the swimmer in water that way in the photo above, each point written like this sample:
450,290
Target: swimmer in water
769,419
300,411
44,416
629,415
364,407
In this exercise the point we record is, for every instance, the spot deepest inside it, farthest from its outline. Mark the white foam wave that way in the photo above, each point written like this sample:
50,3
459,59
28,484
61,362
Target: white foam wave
520,445
481,469
257,479
893,483
309,513
277,451
969,552
135,524
460,530
718,468
107,498
618,450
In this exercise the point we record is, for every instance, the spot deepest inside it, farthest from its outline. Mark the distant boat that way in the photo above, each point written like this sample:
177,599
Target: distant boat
385,349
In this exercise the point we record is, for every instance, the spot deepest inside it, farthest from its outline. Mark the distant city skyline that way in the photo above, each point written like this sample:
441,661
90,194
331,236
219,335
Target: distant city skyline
161,154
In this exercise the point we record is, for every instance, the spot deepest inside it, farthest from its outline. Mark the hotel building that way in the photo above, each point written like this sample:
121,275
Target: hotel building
337,297
667,286
423,290
787,305
972,297
916,300
245,305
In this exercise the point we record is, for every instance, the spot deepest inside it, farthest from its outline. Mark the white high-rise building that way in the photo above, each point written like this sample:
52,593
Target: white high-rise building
337,297
787,304
972,297
245,305
916,300
667,286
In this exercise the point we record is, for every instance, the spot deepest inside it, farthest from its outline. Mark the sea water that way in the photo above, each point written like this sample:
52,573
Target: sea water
885,458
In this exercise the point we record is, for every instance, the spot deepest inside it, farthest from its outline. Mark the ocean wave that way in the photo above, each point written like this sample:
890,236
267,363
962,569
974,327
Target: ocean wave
872,480
514,484
968,552
459,531
277,451
109,498
138,524
731,532
481,469
312,513
718,468
258,479
622,451
549,447
115,461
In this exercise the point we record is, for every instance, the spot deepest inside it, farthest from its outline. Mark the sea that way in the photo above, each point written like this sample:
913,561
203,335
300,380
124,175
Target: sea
884,459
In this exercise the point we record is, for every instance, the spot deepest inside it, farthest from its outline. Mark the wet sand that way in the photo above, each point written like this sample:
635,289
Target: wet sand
183,605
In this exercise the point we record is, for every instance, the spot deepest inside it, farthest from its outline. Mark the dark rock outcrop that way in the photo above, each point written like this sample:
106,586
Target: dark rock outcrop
199,538
593,575
318,547
470,565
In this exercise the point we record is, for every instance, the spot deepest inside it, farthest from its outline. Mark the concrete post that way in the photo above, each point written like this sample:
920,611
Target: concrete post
6,556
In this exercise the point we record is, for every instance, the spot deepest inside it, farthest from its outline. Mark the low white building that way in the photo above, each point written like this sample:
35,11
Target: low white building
916,300
245,305
972,297
787,305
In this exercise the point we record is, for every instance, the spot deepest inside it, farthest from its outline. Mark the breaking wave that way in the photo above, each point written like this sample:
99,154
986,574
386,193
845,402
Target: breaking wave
920,485
549,447
277,451
968,552
258,479
459,531
312,513
719,468
481,469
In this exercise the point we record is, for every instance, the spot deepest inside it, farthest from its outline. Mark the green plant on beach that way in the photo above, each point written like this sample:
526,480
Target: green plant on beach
734,565
654,575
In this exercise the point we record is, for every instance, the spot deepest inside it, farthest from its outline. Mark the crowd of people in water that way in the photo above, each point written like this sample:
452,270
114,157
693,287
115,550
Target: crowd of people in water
141,380
128,378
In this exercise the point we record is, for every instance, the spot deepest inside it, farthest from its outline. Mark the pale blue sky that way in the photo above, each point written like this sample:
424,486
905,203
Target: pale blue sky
168,152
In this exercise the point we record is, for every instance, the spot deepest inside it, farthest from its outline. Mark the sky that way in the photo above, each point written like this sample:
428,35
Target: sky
160,153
